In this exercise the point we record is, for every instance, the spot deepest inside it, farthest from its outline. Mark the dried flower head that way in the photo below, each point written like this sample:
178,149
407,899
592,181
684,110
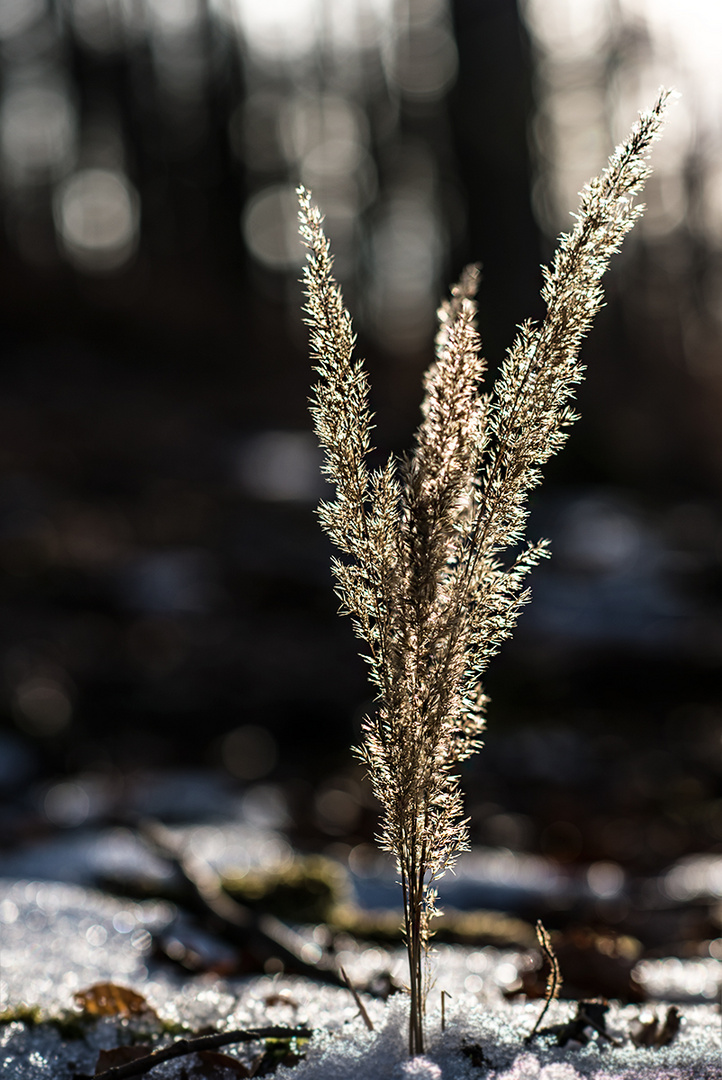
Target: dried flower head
433,560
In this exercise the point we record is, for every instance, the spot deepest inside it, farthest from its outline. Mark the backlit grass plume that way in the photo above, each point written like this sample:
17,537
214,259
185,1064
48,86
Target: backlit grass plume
433,560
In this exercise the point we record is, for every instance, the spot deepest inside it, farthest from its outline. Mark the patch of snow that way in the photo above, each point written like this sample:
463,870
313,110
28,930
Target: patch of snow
58,939
355,1054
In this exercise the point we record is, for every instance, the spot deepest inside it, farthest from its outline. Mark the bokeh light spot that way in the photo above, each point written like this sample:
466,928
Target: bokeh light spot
66,804
270,227
37,133
280,466
97,218
17,16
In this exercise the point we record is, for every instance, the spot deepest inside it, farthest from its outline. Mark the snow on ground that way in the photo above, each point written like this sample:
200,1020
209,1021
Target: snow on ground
500,1033
58,939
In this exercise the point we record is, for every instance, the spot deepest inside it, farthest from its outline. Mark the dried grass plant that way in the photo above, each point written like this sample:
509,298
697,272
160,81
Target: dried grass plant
433,560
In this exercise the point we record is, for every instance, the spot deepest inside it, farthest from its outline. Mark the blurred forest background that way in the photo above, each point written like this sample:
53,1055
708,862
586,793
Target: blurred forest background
166,605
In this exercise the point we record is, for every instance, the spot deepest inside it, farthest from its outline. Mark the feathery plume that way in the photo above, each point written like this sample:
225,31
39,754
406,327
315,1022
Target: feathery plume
433,564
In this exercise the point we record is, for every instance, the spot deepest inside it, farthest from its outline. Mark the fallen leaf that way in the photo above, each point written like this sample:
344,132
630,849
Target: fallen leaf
282,998
109,999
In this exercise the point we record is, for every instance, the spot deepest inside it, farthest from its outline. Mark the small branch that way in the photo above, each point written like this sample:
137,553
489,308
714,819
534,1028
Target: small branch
263,935
359,1003
191,1046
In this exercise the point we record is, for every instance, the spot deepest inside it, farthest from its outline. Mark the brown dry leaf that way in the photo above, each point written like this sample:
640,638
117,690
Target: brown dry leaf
282,998
109,999
210,1065
120,1055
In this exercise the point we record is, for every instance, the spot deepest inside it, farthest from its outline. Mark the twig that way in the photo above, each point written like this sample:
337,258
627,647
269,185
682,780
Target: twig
359,1003
263,935
191,1046
554,980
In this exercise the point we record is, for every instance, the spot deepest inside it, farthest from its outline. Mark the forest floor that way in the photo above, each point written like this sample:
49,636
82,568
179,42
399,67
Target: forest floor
81,974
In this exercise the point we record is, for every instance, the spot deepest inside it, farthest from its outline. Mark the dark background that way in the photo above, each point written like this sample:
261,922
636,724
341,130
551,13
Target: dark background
165,597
